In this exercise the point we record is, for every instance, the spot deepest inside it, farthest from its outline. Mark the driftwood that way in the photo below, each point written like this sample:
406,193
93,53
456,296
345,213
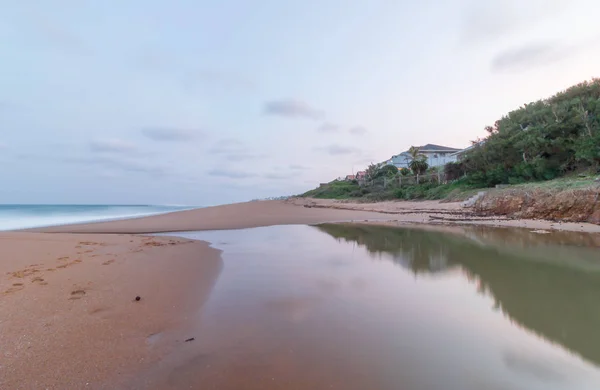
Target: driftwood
466,219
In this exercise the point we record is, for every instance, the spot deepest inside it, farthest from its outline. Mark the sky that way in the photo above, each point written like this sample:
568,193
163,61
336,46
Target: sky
208,102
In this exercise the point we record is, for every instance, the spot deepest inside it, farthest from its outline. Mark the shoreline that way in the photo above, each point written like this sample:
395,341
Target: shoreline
97,220
301,211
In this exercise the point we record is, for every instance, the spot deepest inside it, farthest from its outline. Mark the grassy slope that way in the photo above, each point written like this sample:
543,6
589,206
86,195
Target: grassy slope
452,192
351,190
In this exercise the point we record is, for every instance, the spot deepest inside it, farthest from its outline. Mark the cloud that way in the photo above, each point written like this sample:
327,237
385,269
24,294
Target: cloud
53,33
276,176
295,167
245,156
193,79
232,149
167,134
226,145
337,150
529,56
328,128
490,20
293,109
230,173
111,146
216,80
107,174
358,130
364,160
112,163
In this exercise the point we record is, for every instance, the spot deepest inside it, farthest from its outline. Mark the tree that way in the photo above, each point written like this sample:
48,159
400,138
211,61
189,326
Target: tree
540,140
371,171
419,166
415,153
454,171
418,161
388,171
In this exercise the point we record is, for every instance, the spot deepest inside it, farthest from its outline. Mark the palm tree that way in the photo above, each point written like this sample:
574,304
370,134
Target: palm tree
418,161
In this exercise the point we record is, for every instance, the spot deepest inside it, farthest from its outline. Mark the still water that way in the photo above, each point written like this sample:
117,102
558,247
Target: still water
347,307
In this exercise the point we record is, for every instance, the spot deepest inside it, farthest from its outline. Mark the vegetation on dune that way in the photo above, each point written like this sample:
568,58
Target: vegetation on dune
542,140
337,189
551,138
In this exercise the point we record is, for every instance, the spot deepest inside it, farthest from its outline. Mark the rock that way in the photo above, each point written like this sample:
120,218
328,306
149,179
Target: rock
138,298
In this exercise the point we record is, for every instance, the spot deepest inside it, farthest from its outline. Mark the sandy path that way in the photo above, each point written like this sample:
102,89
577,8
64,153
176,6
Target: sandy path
68,315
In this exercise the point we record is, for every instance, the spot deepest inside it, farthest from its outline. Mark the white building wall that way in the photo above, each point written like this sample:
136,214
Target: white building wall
433,159
439,159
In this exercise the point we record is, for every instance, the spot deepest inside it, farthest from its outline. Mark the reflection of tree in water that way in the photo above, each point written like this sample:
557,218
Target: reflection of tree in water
558,302
411,249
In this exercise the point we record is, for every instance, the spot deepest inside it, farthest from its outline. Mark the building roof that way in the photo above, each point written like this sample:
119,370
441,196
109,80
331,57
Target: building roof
468,148
436,148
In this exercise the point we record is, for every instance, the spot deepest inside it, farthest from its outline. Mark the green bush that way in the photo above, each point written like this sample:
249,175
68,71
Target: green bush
404,171
542,140
334,190
386,171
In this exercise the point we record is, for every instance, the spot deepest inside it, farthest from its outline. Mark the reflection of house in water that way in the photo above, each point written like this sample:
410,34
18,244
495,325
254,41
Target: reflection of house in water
438,262
547,288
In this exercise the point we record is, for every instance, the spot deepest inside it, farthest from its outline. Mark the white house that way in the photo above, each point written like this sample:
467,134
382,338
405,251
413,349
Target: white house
436,155
457,156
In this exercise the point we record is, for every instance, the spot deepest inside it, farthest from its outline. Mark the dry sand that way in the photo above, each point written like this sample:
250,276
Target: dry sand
68,314
232,216
312,211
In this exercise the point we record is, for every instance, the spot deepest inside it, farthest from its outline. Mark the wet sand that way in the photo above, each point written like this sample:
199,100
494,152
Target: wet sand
309,212
68,314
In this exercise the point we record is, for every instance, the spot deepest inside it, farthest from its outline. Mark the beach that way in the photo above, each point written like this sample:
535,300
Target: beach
70,317
302,211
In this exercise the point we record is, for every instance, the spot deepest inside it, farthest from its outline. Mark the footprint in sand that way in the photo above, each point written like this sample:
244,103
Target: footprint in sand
39,281
77,294
69,264
23,273
98,310
108,262
13,289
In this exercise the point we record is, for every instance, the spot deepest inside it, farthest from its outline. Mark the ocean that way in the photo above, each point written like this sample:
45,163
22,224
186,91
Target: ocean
16,216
